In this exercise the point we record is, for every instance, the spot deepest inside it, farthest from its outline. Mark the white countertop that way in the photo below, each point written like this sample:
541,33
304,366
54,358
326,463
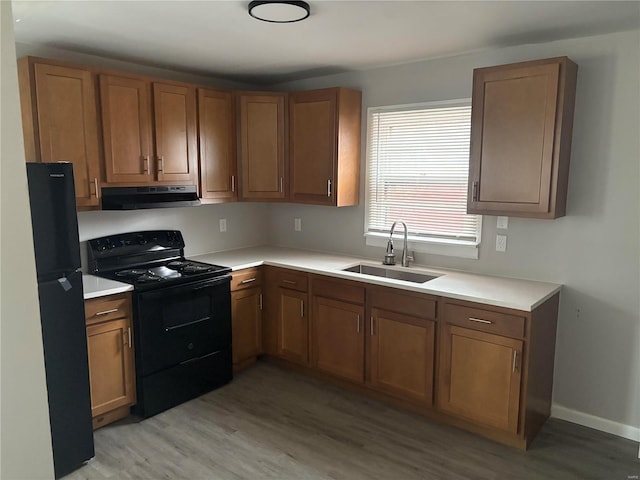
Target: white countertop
99,287
498,291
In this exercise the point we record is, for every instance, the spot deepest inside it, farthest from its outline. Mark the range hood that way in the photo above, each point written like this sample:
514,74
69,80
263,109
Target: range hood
134,198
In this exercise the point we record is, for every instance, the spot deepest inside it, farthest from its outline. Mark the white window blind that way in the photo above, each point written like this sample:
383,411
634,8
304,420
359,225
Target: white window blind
418,167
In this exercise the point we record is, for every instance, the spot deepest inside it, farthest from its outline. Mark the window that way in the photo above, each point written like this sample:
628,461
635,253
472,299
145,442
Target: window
417,171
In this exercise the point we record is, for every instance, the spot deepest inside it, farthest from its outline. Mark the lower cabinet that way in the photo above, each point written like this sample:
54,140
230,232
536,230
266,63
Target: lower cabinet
293,326
246,317
480,377
286,327
111,359
338,338
402,355
494,369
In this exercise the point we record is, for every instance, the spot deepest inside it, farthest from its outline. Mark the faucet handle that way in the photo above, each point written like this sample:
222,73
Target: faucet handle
411,256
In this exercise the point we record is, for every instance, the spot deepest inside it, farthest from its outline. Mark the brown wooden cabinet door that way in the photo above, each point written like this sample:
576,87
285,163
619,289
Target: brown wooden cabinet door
402,355
175,127
262,155
246,315
479,377
312,146
67,125
293,326
338,338
111,370
126,129
218,172
324,146
515,139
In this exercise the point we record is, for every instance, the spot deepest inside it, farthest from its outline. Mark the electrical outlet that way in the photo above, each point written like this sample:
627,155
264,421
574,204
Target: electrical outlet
297,224
503,223
501,243
223,224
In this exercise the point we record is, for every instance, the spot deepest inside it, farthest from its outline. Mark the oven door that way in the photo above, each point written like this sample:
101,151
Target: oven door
177,324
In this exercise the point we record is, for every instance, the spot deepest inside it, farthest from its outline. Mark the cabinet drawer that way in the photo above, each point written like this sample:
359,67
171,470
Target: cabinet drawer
107,308
485,320
420,306
250,277
292,280
337,289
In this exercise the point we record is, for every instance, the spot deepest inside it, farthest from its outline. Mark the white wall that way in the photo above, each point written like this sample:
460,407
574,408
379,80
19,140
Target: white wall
25,439
247,225
594,250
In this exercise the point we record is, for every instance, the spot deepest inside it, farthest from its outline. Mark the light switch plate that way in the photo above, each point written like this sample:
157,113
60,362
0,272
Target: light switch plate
223,224
297,224
501,243
503,223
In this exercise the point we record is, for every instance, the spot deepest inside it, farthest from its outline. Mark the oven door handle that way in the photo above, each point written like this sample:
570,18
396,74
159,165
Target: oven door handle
212,283
203,319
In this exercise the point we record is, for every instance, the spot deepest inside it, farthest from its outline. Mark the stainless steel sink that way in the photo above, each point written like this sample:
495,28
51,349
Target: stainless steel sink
390,273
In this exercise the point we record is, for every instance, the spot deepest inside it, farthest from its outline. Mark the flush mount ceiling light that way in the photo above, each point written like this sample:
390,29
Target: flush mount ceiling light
280,11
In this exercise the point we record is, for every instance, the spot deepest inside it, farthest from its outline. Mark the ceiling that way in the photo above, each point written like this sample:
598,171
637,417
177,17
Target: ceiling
219,38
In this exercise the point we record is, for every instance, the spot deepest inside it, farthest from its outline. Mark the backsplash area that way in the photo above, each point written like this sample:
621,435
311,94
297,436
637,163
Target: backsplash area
246,225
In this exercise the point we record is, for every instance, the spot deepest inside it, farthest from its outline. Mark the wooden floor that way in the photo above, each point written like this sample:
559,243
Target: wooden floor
274,424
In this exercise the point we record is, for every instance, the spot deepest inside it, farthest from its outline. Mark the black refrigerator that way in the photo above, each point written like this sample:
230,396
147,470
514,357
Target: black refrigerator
57,253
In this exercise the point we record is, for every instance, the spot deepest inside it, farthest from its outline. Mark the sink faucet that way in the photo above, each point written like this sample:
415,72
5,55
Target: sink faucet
389,256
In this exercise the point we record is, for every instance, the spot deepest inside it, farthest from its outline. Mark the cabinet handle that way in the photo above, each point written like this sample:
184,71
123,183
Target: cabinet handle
106,312
129,332
371,329
328,188
248,280
290,282
160,164
479,320
515,356
302,308
145,164
233,183
95,184
260,301
281,184
475,191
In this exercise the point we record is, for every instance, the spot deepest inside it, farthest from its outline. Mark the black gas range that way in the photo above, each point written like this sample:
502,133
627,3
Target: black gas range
181,317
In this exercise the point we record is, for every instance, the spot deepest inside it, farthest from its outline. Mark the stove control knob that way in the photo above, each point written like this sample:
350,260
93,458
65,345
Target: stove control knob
190,346
141,240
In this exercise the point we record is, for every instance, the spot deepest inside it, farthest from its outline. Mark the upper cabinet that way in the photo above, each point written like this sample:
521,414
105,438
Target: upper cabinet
216,128
262,145
175,127
521,127
324,146
125,129
59,122
128,129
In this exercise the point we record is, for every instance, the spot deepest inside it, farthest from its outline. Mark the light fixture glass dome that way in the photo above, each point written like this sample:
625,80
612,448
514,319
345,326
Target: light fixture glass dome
279,11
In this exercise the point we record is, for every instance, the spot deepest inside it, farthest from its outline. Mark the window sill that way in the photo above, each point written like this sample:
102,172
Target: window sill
450,248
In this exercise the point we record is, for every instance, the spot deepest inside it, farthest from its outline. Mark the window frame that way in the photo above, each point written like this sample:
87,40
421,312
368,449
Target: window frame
434,245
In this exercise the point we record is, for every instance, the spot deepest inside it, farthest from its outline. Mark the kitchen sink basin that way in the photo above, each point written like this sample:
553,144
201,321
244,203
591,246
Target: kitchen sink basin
390,273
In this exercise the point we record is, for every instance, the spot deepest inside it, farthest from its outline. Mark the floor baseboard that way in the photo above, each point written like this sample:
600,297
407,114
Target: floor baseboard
599,423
